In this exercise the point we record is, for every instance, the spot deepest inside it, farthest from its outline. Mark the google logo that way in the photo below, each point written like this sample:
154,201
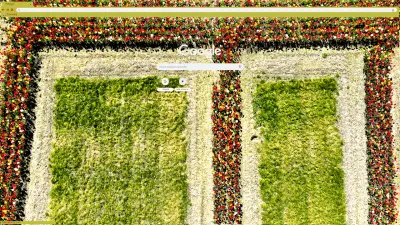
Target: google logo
185,51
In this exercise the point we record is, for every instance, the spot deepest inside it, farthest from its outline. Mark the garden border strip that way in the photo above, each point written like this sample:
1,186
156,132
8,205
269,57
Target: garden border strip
28,36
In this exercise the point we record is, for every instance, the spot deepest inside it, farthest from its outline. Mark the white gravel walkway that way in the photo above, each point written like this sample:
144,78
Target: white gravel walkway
395,75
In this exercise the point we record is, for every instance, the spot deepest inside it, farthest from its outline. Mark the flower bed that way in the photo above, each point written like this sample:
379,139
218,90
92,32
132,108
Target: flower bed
227,150
381,160
236,3
28,36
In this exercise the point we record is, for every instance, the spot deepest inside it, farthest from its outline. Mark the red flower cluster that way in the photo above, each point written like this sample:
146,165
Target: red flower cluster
13,111
303,3
27,36
381,160
307,32
227,150
226,3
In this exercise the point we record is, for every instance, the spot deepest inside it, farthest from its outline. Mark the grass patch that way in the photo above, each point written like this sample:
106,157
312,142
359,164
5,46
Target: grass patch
301,155
120,153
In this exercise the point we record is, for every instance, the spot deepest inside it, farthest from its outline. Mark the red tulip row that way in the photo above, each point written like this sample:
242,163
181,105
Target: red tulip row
226,3
381,159
247,31
227,148
30,35
13,122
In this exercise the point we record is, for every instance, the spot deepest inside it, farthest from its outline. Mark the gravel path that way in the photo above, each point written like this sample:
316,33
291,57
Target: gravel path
396,115
38,197
201,172
3,25
352,128
250,178
351,107
3,41
63,63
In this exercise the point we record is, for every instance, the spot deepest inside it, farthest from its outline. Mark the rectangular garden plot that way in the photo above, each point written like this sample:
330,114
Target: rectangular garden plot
301,152
119,154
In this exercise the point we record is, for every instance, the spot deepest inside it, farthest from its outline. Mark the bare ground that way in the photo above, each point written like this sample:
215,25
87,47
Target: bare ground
351,107
3,42
395,75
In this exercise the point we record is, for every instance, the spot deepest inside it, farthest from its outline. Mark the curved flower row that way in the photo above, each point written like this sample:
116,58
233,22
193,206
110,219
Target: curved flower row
27,36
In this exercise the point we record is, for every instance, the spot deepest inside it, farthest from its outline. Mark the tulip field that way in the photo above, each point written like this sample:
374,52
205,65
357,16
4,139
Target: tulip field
119,152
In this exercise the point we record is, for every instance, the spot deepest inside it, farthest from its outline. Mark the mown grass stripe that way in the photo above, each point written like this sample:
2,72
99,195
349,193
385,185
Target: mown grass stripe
120,153
301,175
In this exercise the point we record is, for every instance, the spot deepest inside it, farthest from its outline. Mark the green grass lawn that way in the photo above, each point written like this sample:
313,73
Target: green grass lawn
119,154
301,154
